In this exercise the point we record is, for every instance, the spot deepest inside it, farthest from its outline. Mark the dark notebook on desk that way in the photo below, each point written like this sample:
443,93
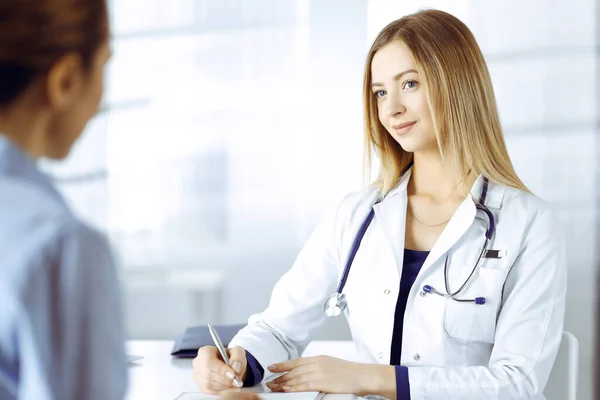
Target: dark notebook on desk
187,345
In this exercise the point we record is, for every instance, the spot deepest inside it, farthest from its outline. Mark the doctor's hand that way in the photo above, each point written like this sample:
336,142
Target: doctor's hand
211,373
331,375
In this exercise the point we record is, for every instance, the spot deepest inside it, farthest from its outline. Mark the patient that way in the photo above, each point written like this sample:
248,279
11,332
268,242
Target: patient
61,333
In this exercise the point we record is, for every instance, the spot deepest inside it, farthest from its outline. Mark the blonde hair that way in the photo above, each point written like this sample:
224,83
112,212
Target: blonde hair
460,96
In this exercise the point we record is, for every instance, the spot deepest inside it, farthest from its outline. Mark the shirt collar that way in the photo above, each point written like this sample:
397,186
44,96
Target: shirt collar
16,163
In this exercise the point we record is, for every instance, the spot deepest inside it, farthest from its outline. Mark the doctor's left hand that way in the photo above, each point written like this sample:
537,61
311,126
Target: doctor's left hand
322,374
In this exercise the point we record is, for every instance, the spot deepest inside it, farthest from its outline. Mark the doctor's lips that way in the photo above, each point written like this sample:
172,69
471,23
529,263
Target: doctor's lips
402,128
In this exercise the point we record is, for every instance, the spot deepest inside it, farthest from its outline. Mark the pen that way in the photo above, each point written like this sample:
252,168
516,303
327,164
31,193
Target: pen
222,350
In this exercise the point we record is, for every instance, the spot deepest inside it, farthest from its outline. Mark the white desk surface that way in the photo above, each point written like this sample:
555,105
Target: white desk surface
159,376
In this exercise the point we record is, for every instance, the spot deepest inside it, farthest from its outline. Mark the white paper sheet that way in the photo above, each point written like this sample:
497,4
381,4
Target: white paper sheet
265,396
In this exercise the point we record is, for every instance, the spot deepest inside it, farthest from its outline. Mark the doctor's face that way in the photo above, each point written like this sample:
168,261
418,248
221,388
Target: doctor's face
401,100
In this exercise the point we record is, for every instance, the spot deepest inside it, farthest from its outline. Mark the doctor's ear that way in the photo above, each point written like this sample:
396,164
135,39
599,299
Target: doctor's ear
65,81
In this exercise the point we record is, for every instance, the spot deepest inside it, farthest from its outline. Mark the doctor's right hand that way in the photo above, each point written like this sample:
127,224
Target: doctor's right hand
211,373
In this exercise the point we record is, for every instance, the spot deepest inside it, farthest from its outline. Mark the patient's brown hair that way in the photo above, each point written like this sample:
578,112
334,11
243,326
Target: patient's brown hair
34,34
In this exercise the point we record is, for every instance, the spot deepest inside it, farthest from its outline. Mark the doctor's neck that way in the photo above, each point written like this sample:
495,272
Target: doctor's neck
432,177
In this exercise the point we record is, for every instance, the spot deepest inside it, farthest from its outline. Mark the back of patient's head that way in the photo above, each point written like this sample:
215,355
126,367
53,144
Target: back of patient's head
34,34
48,61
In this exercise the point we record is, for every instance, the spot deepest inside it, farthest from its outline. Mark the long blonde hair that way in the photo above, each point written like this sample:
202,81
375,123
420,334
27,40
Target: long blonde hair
460,96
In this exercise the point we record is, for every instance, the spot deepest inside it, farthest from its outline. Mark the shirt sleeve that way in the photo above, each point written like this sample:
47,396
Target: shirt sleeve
72,341
402,383
254,371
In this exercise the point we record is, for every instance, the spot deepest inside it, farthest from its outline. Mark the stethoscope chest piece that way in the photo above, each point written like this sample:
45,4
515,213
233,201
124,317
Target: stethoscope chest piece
335,305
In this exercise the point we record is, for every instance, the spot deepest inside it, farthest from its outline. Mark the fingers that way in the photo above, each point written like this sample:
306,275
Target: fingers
300,383
289,365
238,361
296,376
209,386
302,387
224,378
275,387
218,366
211,373
296,372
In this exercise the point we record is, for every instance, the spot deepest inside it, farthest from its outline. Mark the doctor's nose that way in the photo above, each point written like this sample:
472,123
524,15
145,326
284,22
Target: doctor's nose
395,106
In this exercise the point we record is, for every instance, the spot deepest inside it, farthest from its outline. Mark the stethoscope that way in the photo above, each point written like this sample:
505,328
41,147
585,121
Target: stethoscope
336,303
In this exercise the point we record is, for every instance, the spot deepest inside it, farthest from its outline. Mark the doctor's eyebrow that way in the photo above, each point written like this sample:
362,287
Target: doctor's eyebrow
396,77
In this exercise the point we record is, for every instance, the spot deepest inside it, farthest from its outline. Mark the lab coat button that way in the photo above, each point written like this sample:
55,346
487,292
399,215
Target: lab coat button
417,357
386,291
422,294
380,355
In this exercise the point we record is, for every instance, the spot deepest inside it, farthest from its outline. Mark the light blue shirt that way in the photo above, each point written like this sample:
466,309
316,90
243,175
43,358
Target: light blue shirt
61,329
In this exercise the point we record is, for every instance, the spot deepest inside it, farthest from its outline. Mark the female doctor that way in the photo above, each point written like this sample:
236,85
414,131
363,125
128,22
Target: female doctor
452,275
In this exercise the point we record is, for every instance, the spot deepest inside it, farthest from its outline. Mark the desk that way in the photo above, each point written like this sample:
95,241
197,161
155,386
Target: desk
159,376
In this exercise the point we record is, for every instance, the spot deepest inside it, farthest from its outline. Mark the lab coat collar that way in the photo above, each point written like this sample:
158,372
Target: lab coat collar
400,186
16,163
495,193
391,214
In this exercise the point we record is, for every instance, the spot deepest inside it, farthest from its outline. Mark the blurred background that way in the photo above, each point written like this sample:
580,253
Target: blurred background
230,127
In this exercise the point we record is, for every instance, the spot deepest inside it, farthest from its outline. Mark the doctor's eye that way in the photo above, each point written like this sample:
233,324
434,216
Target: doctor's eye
410,84
379,94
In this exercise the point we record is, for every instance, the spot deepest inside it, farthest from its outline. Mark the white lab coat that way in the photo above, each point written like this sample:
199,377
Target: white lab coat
504,349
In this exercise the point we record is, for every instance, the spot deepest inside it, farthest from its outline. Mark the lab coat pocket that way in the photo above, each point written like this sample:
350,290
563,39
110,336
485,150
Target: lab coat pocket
468,320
